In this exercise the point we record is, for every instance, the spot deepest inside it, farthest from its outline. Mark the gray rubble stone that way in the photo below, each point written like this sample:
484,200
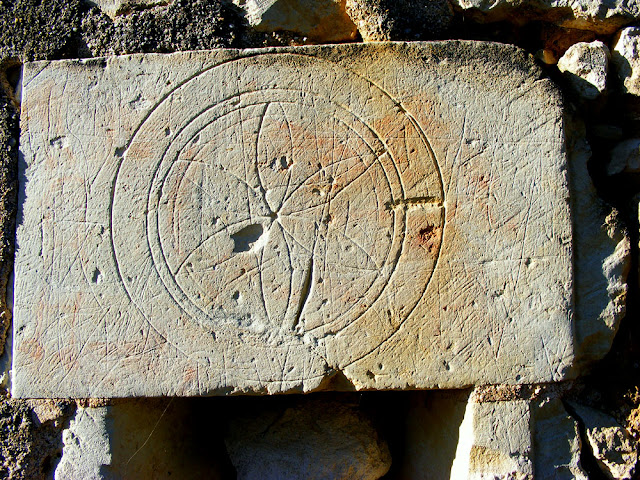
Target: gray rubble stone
586,66
613,448
602,259
117,7
495,442
625,58
319,20
86,446
557,443
379,20
312,441
600,16
202,236
144,439
625,157
432,434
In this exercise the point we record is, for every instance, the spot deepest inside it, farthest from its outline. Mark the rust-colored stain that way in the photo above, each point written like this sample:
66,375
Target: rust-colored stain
429,238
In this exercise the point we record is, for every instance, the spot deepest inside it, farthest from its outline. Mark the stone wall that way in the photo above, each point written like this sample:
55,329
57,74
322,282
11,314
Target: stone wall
587,427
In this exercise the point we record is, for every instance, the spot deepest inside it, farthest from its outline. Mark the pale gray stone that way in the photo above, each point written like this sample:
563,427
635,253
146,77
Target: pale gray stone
602,259
144,439
495,442
432,429
601,16
314,440
255,221
86,446
557,444
625,58
320,20
613,448
586,66
625,157
114,8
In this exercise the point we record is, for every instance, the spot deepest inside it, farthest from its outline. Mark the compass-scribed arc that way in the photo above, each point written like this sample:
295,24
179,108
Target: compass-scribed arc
316,180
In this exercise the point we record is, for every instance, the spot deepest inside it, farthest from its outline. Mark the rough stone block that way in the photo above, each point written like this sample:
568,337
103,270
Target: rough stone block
259,221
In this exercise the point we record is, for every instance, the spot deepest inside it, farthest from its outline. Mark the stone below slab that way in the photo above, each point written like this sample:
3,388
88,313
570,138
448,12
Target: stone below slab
586,65
314,440
613,448
260,221
495,442
600,16
626,59
319,20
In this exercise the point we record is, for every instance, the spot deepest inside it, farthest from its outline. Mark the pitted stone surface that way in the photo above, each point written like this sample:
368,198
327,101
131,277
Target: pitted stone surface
256,221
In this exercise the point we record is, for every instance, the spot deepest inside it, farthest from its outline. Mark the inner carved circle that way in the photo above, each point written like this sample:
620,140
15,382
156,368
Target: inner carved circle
274,213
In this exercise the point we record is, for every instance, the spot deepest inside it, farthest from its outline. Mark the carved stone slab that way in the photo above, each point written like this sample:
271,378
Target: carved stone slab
382,216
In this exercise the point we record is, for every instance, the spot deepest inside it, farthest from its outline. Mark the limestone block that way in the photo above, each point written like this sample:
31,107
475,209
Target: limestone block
495,442
432,428
319,20
86,446
626,59
231,221
314,440
600,16
114,8
379,20
144,438
625,157
586,65
557,444
602,261
614,449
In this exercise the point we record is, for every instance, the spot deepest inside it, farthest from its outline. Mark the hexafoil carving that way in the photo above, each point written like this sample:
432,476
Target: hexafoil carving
276,209
260,221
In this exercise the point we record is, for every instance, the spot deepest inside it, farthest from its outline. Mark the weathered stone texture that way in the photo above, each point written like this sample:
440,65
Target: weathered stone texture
602,260
379,20
557,444
586,66
602,16
626,59
145,439
319,20
495,442
34,30
114,8
177,26
30,445
625,157
8,196
260,234
613,448
314,440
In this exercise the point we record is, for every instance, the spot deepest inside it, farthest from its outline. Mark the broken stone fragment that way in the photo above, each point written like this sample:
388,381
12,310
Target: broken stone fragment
131,439
313,440
319,20
557,443
114,8
613,448
586,66
379,20
86,448
601,16
602,259
432,435
625,58
495,442
625,157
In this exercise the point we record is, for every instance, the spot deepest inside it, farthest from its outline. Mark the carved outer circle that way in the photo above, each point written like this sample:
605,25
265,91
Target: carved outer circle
275,206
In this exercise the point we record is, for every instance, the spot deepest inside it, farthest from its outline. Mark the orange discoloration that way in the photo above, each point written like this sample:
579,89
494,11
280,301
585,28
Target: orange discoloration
428,237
